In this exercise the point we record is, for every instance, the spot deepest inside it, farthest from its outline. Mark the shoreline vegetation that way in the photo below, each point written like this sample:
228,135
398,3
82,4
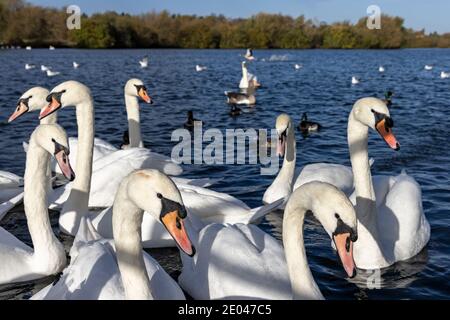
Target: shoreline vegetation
23,24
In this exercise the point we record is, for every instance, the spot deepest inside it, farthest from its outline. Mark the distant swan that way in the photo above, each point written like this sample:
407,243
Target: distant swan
29,66
355,80
144,62
200,68
249,55
75,65
51,73
428,67
381,69
445,75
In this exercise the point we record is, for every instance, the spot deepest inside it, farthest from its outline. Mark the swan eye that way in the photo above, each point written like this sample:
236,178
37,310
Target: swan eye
159,195
337,216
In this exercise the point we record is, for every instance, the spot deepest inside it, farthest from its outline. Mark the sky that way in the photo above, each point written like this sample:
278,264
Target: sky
431,15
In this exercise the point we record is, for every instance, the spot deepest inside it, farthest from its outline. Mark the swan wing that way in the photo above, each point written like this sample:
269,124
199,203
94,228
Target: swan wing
11,203
15,257
404,227
110,170
338,175
236,262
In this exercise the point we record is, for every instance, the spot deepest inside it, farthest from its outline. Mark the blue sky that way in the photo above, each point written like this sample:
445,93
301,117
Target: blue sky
433,15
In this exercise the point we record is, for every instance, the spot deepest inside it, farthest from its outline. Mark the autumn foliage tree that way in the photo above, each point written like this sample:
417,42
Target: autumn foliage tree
25,24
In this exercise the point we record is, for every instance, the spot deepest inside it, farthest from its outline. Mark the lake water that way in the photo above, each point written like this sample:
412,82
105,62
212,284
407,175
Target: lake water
322,88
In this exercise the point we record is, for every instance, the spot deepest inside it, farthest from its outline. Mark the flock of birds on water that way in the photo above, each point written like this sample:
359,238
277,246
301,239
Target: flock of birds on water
372,221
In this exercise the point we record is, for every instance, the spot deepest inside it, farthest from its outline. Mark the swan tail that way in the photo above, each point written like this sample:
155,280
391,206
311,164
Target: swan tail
25,146
260,212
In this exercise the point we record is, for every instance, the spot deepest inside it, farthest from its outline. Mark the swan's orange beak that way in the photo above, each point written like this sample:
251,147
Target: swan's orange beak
20,110
64,164
53,106
175,226
344,247
386,133
144,96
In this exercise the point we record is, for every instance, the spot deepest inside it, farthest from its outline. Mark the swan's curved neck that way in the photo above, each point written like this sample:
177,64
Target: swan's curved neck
50,119
127,220
46,246
285,177
134,121
77,204
245,74
357,135
302,281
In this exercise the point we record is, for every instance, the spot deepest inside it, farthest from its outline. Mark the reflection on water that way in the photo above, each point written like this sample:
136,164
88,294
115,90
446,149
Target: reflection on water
321,88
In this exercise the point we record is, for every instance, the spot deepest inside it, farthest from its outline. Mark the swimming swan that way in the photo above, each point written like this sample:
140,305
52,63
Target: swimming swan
102,269
243,262
19,262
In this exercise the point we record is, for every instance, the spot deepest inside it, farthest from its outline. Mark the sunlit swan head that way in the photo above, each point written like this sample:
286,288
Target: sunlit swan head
335,212
154,192
283,126
374,113
31,100
69,93
53,139
136,88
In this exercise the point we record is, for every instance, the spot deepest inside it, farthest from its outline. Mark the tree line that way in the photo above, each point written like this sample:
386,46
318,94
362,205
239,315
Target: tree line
25,24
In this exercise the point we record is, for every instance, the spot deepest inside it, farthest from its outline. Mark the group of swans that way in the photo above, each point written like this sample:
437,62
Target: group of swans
131,274
219,260
391,224
223,256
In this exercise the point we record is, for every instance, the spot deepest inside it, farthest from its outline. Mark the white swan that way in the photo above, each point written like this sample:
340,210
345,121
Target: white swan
248,80
355,80
29,66
445,75
144,62
18,261
243,262
75,65
95,183
101,269
134,89
200,68
44,68
283,185
249,54
297,66
51,73
381,69
392,224
428,67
